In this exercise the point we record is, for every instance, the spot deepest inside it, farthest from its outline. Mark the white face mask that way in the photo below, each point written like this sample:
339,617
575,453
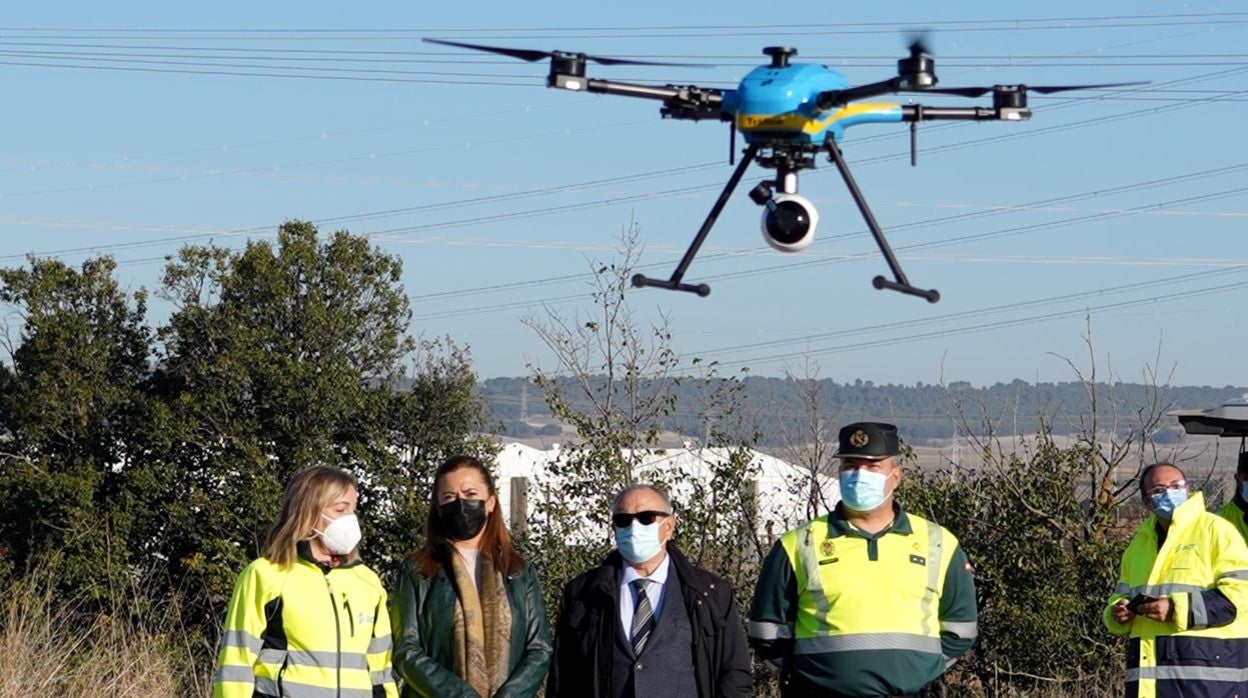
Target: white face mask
341,535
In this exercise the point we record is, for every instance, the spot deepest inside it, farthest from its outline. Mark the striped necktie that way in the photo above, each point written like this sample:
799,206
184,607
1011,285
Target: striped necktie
643,617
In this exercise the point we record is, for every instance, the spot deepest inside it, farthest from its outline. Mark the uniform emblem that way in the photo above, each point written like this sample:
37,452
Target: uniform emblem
827,548
859,439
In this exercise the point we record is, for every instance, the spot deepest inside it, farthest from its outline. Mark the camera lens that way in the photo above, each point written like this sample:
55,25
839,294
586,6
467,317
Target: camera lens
788,222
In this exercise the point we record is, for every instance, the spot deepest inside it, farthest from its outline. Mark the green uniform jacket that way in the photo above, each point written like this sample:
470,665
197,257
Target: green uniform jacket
1236,511
423,622
839,610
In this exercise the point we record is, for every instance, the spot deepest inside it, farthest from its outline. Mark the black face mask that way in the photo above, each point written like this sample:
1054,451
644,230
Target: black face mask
462,518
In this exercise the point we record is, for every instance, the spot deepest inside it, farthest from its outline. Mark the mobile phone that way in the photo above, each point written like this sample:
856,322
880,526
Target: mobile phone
1140,599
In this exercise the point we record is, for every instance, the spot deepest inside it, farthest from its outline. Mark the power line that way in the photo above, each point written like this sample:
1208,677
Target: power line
990,310
712,186
985,327
942,220
866,255
382,213
643,31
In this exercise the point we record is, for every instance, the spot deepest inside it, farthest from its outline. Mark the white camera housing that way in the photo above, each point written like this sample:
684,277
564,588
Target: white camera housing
789,222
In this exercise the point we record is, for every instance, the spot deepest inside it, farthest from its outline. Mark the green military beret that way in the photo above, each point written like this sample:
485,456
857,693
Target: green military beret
869,440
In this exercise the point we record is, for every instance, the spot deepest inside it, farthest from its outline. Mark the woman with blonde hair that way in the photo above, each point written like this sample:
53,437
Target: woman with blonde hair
469,620
308,618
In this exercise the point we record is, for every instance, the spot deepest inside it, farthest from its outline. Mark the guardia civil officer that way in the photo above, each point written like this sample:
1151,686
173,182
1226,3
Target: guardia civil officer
868,600
1236,510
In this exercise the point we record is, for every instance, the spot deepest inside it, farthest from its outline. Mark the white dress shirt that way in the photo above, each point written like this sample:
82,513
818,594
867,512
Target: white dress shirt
654,592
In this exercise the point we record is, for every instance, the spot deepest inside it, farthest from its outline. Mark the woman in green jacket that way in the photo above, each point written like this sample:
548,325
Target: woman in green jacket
468,616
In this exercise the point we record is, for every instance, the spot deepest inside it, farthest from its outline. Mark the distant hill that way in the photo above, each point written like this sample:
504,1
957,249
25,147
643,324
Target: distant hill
924,412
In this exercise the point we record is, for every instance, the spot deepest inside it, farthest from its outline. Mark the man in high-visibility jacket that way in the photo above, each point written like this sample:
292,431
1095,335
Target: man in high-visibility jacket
1236,510
868,600
1182,596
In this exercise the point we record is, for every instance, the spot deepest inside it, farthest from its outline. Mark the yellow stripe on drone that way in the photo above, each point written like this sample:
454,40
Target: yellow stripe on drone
798,122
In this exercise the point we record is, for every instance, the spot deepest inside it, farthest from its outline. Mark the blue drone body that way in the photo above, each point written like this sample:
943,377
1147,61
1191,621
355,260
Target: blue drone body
774,105
788,113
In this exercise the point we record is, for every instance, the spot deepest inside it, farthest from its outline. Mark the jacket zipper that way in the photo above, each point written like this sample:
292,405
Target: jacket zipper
338,636
346,605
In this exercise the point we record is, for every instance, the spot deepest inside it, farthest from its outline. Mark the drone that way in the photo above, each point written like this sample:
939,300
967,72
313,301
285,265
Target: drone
788,113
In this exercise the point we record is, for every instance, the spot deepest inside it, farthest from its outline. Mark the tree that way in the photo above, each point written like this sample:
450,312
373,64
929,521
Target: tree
1044,524
69,401
615,383
440,415
808,438
280,356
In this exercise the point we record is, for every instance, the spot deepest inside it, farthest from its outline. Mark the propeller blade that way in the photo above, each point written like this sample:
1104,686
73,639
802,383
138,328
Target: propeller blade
919,44
601,60
534,55
1049,89
522,54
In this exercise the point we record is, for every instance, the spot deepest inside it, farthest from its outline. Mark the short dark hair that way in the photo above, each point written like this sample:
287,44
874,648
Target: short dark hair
1242,467
1149,469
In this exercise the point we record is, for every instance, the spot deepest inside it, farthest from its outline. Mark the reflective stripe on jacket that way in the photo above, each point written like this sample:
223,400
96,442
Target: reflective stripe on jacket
302,632
1202,567
861,614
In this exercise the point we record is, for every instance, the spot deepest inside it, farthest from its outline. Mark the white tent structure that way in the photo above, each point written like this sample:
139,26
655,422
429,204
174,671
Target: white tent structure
783,489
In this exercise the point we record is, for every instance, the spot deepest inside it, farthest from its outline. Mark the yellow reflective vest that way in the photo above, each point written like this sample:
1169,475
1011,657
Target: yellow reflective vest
1236,511
1202,567
858,614
306,632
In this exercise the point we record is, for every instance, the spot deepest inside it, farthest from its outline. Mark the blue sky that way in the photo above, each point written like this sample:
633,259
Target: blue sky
218,121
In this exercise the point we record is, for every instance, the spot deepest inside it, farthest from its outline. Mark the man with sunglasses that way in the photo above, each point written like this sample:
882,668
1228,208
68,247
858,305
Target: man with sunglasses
647,622
1182,596
869,600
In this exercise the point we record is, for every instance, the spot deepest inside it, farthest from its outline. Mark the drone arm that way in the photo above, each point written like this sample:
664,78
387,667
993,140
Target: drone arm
839,98
918,112
690,102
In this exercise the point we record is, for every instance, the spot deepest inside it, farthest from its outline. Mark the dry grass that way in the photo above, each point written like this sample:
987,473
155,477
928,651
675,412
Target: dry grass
52,647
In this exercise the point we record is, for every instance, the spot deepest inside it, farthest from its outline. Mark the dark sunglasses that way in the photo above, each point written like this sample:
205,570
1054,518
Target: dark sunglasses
645,517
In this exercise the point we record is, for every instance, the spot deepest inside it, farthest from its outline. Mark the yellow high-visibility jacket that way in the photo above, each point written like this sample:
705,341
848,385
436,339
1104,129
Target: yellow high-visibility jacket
304,632
1236,511
1202,567
857,614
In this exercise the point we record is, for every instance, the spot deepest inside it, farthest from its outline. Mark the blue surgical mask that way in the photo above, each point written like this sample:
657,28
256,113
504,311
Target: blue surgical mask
863,490
1164,503
1243,491
638,543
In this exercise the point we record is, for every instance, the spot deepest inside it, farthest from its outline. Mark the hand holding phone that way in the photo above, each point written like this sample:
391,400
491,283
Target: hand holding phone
1140,599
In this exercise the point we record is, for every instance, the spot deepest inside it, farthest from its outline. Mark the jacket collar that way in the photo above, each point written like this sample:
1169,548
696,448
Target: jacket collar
838,524
607,578
304,549
1184,514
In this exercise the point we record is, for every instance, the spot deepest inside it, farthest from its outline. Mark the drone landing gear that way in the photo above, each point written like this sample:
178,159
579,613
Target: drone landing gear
674,283
900,284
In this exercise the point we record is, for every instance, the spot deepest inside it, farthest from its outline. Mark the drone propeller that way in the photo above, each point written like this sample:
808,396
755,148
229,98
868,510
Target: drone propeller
919,44
1039,89
534,55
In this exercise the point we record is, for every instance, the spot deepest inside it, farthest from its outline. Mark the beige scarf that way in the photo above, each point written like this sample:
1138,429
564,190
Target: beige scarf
482,626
